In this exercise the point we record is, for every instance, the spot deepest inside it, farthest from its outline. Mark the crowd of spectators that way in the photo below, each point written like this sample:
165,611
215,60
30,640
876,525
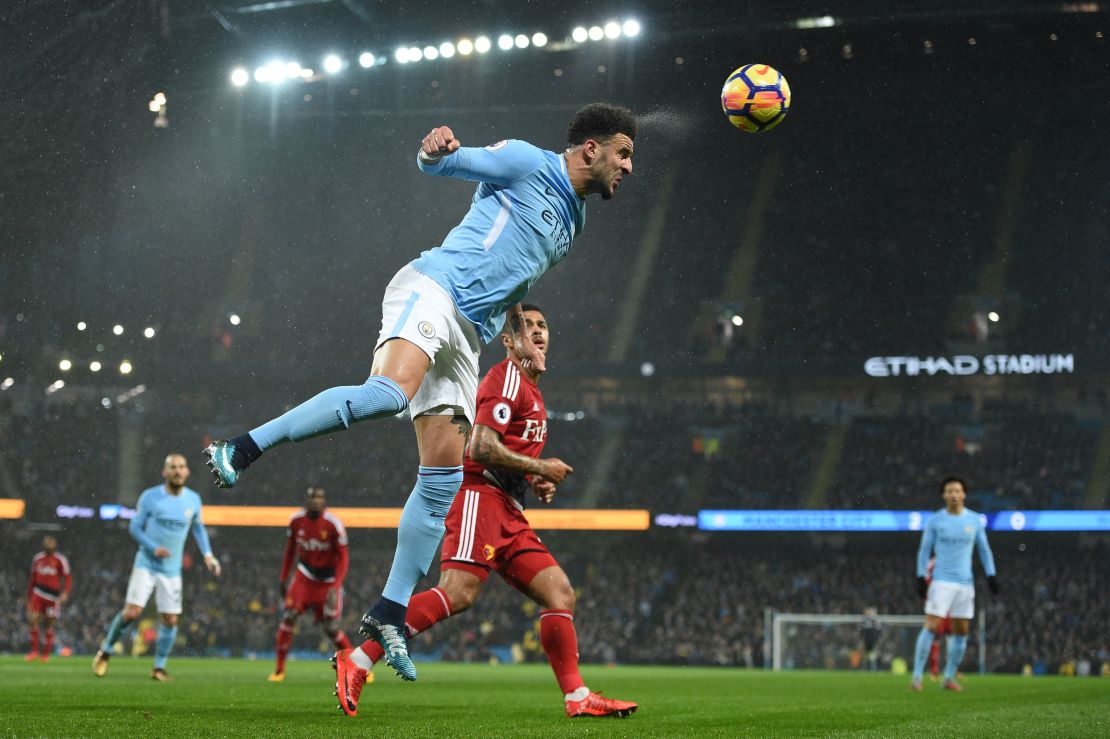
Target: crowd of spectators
665,598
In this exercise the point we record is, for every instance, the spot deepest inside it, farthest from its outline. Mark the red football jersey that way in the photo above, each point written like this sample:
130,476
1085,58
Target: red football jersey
50,576
319,546
510,404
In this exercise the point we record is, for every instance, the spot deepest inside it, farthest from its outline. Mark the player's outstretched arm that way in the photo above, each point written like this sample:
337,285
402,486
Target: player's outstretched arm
487,447
500,164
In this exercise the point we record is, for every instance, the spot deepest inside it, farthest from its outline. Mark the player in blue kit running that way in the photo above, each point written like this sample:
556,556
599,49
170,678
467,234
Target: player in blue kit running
438,310
952,533
165,516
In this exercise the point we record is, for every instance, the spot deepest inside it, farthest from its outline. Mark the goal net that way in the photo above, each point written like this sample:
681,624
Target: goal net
821,641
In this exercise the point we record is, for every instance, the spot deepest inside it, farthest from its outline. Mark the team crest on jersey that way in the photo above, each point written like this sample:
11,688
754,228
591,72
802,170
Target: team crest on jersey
500,144
426,329
502,413
969,529
324,534
188,513
489,552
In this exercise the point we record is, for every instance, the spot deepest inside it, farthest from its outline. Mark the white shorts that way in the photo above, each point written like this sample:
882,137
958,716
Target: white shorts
950,599
167,590
417,309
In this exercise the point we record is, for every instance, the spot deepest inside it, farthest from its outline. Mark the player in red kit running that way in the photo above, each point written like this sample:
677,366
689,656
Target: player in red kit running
487,530
47,590
318,543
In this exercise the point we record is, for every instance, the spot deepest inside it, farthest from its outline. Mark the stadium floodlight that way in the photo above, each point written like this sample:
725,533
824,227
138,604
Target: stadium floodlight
447,50
117,329
366,60
234,319
94,366
431,53
148,332
81,325
612,30
276,71
292,70
465,46
401,55
7,383
481,44
160,98
106,402
631,27
262,75
579,34
539,39
154,106
125,367
596,33
521,41
993,317
415,54
65,365
737,321
504,42
333,64
240,77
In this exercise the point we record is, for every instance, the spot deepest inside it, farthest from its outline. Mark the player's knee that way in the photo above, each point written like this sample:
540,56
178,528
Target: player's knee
289,617
560,598
130,613
461,595
169,619
331,628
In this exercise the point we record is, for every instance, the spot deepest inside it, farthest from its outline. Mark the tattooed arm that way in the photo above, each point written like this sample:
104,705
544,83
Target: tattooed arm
487,448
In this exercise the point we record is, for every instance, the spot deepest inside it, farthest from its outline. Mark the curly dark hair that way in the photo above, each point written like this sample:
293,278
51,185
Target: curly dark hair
600,121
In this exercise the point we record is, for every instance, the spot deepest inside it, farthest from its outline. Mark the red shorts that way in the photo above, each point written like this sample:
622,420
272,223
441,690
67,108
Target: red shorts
324,598
45,606
486,531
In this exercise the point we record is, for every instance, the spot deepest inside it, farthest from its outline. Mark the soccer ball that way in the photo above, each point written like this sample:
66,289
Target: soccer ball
755,98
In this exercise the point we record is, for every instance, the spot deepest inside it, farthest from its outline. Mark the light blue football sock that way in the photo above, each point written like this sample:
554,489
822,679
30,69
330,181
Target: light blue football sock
115,632
957,646
421,529
334,409
163,645
921,653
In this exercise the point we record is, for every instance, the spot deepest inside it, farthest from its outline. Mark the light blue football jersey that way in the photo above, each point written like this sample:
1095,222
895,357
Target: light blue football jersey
521,222
953,538
164,520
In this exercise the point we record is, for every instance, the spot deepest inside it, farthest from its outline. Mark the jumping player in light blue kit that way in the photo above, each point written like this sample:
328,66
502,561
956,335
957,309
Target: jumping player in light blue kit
952,533
165,516
438,310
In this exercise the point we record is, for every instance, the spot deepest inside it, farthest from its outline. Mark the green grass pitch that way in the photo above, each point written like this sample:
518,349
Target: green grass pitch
214,697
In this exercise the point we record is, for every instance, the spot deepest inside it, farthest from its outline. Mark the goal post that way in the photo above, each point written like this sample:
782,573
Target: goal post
819,641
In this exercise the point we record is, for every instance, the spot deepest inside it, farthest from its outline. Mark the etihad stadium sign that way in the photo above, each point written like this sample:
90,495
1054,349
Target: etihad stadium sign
966,364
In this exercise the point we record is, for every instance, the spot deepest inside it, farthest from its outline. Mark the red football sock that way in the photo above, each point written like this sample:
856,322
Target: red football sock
560,644
425,610
341,640
34,639
934,658
49,648
284,642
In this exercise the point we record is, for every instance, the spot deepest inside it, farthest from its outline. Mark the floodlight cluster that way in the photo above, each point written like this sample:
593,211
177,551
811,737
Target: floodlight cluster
277,71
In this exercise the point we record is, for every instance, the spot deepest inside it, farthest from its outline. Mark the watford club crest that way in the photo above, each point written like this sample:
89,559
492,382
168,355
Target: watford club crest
489,552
